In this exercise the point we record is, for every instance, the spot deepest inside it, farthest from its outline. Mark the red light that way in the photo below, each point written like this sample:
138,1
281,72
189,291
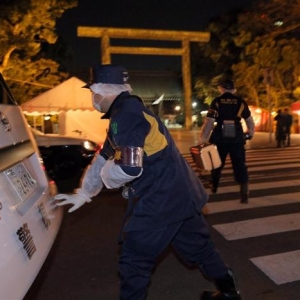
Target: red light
98,148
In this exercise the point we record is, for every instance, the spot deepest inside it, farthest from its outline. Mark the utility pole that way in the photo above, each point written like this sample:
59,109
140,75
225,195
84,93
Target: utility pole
268,81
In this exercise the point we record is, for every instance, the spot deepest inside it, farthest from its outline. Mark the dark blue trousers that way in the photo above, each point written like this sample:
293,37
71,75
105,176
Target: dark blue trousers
140,250
237,156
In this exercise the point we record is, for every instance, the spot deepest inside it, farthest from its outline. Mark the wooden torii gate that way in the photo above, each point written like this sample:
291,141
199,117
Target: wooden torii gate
105,34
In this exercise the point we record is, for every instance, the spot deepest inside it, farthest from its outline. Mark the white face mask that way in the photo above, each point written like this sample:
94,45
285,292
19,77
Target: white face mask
104,94
97,99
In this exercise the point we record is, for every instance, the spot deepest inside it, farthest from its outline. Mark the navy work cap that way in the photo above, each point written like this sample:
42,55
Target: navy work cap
109,74
227,84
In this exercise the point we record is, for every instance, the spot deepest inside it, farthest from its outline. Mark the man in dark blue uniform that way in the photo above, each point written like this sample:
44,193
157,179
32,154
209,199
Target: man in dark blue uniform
165,196
227,111
288,125
280,133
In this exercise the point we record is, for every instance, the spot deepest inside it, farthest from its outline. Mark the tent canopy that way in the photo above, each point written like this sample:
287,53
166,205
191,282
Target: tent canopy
295,107
68,95
73,105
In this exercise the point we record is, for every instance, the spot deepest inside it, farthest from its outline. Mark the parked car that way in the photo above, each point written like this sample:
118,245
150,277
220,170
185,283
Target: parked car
29,219
64,156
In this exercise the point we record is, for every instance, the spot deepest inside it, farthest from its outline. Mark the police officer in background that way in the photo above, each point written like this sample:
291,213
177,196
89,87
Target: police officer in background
288,125
227,110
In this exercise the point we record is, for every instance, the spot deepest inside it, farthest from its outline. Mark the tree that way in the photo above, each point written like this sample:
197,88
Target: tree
29,45
273,46
245,43
278,17
213,61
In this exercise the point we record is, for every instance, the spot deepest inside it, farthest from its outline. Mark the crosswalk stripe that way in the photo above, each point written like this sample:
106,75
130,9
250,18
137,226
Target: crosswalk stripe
252,167
232,205
282,167
261,185
275,161
258,227
256,163
281,268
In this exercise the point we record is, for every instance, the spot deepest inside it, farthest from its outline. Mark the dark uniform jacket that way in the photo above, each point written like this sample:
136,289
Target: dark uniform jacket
229,108
168,190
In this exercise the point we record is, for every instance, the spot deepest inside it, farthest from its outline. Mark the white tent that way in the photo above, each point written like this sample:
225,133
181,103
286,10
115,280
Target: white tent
73,106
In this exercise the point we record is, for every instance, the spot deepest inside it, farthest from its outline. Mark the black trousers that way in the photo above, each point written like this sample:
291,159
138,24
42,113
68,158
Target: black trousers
237,155
140,251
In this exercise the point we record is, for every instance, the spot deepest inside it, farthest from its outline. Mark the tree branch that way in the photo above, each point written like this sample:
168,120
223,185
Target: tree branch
279,32
6,58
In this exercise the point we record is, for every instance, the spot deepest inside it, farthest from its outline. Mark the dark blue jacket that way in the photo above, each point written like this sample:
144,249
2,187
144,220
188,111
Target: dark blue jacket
229,107
168,190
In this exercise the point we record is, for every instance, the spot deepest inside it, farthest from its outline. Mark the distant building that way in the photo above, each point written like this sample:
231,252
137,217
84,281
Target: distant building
164,86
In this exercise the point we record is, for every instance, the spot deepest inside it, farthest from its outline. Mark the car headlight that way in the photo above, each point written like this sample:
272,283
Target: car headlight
90,146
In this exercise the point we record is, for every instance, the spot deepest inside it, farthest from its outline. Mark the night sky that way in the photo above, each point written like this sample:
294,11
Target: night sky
156,14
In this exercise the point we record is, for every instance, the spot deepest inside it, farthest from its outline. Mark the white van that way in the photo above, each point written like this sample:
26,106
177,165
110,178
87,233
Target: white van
29,219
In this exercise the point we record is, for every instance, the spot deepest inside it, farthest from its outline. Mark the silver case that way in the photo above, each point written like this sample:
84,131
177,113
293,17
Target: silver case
206,158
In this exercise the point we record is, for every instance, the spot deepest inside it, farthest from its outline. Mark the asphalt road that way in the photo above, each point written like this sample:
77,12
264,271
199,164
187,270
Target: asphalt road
82,264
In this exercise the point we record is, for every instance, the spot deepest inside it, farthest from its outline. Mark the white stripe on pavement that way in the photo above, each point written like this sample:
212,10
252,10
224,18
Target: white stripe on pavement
259,227
260,186
264,168
281,268
267,161
231,205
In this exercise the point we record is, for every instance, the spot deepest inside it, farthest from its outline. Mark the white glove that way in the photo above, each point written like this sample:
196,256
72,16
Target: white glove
77,200
113,176
250,125
91,181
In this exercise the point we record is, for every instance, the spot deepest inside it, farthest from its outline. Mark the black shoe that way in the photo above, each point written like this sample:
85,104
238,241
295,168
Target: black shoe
226,289
210,295
244,191
213,189
244,198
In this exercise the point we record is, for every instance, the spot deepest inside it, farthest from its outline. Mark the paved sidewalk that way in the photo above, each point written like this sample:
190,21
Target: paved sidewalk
265,140
184,139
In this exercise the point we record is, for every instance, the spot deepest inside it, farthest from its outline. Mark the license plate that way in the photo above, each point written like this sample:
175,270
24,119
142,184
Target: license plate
21,180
